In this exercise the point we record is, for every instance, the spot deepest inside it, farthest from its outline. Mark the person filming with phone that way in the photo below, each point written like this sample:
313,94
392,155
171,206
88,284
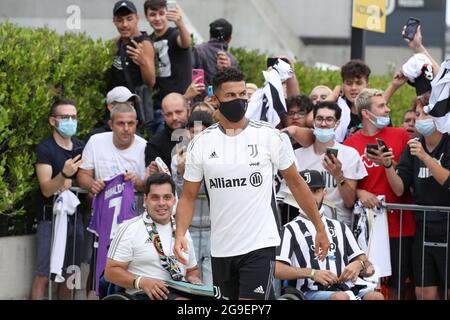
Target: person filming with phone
172,45
213,55
424,166
340,165
375,117
134,61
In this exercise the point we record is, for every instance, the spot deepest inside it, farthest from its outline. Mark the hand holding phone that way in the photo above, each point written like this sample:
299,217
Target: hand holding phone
331,151
162,166
171,5
198,74
76,152
210,91
131,43
411,28
383,146
371,147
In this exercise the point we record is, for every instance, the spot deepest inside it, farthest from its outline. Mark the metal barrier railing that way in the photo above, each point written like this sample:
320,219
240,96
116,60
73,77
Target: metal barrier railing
424,210
139,197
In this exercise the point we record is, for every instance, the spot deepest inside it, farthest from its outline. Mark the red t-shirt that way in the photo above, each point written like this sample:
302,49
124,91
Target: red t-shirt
376,181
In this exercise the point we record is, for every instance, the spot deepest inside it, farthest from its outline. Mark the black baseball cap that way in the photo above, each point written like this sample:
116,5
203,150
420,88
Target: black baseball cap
220,27
124,6
313,178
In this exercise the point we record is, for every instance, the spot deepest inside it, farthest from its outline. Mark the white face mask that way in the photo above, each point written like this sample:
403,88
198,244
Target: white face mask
380,122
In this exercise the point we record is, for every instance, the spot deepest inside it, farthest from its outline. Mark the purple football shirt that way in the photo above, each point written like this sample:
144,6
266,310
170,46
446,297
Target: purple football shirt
112,206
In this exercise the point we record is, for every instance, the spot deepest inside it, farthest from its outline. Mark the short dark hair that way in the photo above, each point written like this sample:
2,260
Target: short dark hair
154,5
201,116
328,105
423,100
159,178
60,102
220,29
302,101
227,75
355,69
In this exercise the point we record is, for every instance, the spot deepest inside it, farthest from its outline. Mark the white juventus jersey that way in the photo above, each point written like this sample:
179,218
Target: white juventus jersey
297,248
238,172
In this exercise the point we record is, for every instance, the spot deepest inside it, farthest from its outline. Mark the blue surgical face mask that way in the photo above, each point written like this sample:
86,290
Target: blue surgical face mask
425,127
67,127
324,135
380,121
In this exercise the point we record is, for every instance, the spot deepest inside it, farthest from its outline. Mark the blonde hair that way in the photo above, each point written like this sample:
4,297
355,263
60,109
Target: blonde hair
364,100
201,104
250,85
320,86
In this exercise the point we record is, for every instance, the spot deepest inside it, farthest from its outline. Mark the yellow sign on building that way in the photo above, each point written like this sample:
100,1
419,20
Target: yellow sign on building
369,15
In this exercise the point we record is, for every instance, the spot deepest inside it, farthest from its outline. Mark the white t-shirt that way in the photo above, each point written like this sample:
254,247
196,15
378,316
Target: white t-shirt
131,244
239,172
352,167
102,155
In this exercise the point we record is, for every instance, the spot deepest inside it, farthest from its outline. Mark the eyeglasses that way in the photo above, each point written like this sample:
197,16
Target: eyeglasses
65,116
299,114
328,120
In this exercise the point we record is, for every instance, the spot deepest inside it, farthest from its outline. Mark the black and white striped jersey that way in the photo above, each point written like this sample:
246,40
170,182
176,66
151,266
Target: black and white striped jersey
297,248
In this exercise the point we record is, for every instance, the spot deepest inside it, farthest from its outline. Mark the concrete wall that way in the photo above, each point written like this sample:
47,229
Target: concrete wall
381,60
17,264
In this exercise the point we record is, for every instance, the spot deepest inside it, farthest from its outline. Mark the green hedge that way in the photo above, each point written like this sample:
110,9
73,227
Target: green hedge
38,65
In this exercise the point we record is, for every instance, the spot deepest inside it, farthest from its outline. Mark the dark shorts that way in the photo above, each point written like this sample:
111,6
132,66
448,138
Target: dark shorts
44,236
434,260
406,261
248,276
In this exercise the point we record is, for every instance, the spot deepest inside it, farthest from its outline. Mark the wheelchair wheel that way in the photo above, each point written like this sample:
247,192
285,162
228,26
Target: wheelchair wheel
118,296
291,293
289,296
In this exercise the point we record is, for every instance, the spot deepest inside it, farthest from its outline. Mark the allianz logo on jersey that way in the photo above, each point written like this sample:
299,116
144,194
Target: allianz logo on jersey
254,180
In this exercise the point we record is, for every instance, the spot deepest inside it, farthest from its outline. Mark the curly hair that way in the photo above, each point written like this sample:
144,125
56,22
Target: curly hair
227,75
355,69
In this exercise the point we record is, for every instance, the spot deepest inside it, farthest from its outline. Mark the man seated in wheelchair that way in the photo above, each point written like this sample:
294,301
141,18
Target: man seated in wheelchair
339,276
140,257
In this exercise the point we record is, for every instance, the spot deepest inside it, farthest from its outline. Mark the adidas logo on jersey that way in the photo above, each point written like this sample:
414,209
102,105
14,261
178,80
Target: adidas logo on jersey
259,290
213,155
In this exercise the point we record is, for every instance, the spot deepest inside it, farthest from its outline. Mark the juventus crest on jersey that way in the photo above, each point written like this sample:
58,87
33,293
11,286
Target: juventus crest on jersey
238,171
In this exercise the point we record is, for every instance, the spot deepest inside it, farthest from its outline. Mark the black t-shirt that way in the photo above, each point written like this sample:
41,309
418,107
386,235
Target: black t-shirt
415,174
173,65
49,152
117,77
160,145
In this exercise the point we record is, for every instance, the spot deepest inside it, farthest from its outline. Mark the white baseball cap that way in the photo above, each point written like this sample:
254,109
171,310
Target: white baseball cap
120,94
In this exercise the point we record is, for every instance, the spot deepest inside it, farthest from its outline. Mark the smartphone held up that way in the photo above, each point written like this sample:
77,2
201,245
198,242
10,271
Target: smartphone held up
411,28
171,5
198,74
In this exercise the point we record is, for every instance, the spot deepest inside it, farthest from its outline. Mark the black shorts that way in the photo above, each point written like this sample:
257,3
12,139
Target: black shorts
406,261
434,261
248,276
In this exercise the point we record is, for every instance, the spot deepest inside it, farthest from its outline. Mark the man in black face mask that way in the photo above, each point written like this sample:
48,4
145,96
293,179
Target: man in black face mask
237,158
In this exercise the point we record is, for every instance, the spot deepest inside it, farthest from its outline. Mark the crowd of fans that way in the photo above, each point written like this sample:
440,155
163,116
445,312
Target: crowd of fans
342,136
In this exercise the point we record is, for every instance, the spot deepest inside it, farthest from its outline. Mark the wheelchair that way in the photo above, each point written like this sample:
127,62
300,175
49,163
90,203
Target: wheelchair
291,293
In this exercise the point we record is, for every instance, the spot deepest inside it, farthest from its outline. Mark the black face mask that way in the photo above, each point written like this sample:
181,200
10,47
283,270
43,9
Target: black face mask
233,110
